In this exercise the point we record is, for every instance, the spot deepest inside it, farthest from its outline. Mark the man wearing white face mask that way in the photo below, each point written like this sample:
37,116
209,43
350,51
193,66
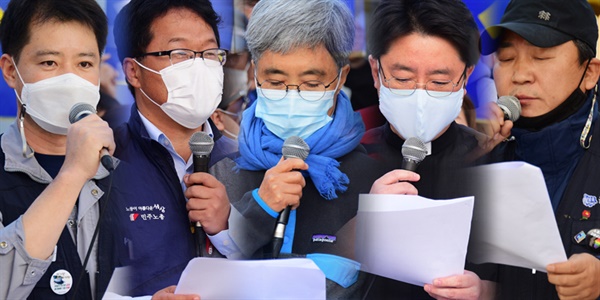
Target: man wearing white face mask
173,64
422,55
52,184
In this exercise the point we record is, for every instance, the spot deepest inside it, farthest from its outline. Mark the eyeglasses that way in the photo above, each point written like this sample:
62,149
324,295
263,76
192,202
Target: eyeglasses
186,55
434,88
312,90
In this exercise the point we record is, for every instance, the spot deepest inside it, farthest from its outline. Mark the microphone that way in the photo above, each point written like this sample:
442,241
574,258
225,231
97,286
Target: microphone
293,147
511,107
81,110
201,145
413,153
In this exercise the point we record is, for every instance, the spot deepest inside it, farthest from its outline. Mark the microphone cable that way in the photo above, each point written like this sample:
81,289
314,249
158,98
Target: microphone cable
94,236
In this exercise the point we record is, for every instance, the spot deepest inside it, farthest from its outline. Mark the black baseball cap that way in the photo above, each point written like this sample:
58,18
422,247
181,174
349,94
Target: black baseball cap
545,23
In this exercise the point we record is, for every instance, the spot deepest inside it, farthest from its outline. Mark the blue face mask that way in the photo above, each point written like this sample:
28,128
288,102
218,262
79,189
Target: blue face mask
293,115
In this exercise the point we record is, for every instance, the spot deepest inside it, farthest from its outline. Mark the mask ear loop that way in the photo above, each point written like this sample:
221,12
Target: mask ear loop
583,139
20,119
26,147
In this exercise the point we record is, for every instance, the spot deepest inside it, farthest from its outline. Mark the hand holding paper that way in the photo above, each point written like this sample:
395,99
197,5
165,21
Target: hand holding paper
411,238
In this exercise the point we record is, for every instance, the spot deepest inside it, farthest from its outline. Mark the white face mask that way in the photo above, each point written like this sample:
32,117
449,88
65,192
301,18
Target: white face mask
49,101
194,91
419,115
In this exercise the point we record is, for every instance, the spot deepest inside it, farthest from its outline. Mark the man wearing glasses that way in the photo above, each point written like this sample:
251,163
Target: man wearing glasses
422,53
174,68
300,53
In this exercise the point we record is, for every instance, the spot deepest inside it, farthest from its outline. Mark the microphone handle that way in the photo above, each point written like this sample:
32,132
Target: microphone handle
409,164
106,160
200,165
282,221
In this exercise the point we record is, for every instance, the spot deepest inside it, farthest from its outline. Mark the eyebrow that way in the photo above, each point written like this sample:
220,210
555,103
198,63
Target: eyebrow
180,39
275,71
46,53
42,53
401,67
87,54
504,44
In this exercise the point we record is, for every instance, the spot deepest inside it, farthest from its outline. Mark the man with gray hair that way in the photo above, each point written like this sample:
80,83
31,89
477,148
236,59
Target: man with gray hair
300,54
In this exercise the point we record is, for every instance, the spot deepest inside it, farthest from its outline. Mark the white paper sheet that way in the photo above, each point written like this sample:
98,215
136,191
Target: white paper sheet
411,238
513,221
219,278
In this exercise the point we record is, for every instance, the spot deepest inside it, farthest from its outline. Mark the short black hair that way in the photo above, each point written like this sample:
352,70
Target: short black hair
450,20
585,51
133,22
21,15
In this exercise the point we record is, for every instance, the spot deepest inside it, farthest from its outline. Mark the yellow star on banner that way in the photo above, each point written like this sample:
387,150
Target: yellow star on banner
490,17
1,14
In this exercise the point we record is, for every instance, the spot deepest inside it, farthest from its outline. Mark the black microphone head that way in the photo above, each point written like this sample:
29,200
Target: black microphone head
79,111
295,147
414,149
201,143
511,107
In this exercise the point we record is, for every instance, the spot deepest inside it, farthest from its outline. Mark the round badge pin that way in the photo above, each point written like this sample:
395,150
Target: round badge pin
61,282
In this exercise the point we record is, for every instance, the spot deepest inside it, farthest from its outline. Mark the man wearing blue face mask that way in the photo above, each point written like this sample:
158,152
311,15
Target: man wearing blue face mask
300,69
422,53
52,185
174,68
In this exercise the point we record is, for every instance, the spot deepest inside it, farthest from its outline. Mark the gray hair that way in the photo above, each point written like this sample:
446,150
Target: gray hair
281,26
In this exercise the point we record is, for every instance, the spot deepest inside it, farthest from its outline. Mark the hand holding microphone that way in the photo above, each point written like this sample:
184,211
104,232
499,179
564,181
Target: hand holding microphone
208,205
200,188
502,115
90,130
293,147
398,181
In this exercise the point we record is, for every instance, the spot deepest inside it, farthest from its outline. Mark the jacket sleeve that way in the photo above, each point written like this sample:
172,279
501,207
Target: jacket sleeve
251,227
20,272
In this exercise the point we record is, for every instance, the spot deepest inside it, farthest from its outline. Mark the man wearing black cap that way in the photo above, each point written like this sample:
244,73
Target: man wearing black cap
545,57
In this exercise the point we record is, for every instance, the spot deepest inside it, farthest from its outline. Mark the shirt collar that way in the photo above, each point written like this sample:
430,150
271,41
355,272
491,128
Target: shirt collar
156,134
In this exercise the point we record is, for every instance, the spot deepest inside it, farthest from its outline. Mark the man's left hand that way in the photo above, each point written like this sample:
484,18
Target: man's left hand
577,278
465,286
207,202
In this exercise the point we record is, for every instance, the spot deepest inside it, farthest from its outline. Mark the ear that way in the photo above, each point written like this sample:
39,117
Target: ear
344,75
591,75
9,71
216,118
374,71
467,76
132,72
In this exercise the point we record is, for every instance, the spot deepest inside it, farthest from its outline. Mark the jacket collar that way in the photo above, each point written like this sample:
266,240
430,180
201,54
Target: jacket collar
15,161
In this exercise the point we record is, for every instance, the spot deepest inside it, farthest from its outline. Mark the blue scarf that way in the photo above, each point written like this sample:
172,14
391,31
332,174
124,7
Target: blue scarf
261,150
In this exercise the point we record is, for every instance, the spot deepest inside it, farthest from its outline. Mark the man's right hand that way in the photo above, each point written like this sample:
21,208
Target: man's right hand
499,129
168,293
85,139
396,182
282,186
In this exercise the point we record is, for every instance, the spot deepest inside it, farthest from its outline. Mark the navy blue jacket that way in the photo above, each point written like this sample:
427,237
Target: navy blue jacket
571,173
160,241
18,191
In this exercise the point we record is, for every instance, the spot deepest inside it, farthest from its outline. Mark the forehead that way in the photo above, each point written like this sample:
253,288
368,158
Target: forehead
297,61
422,52
181,25
61,37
